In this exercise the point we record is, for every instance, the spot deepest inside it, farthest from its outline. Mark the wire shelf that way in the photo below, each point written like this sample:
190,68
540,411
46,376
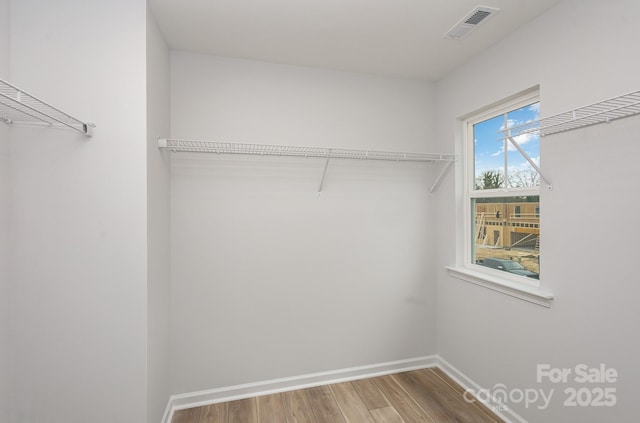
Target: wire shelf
19,107
180,145
603,112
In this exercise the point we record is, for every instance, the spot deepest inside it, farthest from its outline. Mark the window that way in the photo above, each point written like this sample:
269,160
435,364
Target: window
503,192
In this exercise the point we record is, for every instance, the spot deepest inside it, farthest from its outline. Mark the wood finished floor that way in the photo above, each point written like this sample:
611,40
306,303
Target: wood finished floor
420,396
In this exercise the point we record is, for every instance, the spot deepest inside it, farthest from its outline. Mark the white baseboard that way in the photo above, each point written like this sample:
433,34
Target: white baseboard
506,414
231,393
249,390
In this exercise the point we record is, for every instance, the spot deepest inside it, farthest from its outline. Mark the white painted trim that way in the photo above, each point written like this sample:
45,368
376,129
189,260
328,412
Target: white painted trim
249,390
505,413
465,186
521,291
168,413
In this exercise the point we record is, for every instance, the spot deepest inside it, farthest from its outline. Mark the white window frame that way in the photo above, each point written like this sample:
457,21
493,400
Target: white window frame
517,286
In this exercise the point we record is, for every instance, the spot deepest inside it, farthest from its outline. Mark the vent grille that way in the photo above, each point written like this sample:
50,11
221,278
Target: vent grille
477,17
470,22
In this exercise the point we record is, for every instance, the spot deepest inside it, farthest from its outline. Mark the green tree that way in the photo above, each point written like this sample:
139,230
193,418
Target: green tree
490,179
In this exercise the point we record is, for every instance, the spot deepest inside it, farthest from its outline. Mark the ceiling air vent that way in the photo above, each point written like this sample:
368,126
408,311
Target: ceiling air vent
470,22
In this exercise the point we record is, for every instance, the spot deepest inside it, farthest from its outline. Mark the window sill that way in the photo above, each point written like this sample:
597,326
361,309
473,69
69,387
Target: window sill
513,289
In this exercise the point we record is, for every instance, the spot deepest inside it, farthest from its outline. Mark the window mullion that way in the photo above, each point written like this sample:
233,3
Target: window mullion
513,192
506,155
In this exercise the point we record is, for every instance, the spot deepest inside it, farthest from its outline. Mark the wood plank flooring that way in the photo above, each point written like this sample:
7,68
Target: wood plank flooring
420,396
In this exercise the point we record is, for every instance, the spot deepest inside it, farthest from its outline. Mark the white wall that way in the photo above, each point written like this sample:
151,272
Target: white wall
158,224
5,295
79,214
270,280
579,52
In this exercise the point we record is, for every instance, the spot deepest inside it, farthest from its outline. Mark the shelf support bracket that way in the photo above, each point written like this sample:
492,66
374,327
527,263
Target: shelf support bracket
22,105
438,180
530,160
324,172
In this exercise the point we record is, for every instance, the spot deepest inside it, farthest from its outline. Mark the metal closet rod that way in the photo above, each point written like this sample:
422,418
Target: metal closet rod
196,146
605,111
19,107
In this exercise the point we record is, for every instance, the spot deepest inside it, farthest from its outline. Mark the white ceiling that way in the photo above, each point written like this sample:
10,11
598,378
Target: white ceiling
400,38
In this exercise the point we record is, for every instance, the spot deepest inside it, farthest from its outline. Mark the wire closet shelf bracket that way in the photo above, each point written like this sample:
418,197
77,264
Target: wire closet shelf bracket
605,111
20,107
181,145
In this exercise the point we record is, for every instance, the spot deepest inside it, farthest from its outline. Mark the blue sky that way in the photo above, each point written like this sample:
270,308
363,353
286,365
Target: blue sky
489,151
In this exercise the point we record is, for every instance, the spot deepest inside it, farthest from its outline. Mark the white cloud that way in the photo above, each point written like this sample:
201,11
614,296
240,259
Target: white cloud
510,123
520,125
535,108
520,139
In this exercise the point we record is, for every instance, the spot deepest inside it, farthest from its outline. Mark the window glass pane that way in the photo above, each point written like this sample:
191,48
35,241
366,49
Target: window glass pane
489,160
491,168
506,234
520,172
